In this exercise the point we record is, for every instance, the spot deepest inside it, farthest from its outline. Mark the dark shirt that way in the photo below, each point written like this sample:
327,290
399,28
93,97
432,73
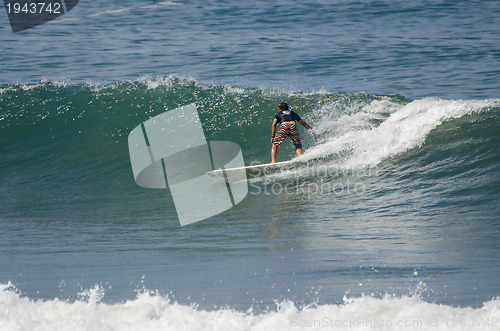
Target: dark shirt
287,115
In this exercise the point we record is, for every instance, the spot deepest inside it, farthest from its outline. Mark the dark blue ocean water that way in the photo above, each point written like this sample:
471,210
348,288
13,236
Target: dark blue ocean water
396,226
416,49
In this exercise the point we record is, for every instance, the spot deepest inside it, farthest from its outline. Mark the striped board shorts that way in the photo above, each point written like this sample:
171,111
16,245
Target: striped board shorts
287,130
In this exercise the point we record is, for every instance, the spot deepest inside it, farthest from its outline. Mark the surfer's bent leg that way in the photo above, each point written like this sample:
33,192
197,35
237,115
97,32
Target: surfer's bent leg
294,135
282,133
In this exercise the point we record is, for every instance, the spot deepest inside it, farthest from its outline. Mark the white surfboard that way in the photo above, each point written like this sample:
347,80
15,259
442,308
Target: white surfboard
254,169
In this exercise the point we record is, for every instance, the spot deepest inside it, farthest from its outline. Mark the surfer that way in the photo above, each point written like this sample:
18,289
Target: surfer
287,128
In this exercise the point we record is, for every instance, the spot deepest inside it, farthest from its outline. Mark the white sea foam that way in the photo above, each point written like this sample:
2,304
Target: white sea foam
362,142
155,82
155,312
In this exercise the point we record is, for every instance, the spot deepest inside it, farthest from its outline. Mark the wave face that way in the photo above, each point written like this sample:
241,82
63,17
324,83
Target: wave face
56,132
369,128
61,139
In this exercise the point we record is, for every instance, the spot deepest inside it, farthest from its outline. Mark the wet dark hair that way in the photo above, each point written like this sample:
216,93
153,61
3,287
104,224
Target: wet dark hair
283,106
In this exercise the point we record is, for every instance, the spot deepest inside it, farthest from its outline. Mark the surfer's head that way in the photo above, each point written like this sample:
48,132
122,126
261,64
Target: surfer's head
283,106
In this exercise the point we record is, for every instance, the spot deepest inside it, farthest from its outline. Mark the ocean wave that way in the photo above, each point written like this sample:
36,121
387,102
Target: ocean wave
151,311
350,131
385,128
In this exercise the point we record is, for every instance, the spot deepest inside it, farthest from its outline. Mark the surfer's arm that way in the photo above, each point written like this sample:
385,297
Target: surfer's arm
305,125
273,128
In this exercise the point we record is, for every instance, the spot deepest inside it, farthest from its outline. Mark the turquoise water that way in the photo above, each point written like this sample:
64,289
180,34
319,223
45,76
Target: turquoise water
395,226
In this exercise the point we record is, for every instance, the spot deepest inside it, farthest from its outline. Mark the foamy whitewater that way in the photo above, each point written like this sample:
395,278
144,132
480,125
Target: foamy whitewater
403,127
150,311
